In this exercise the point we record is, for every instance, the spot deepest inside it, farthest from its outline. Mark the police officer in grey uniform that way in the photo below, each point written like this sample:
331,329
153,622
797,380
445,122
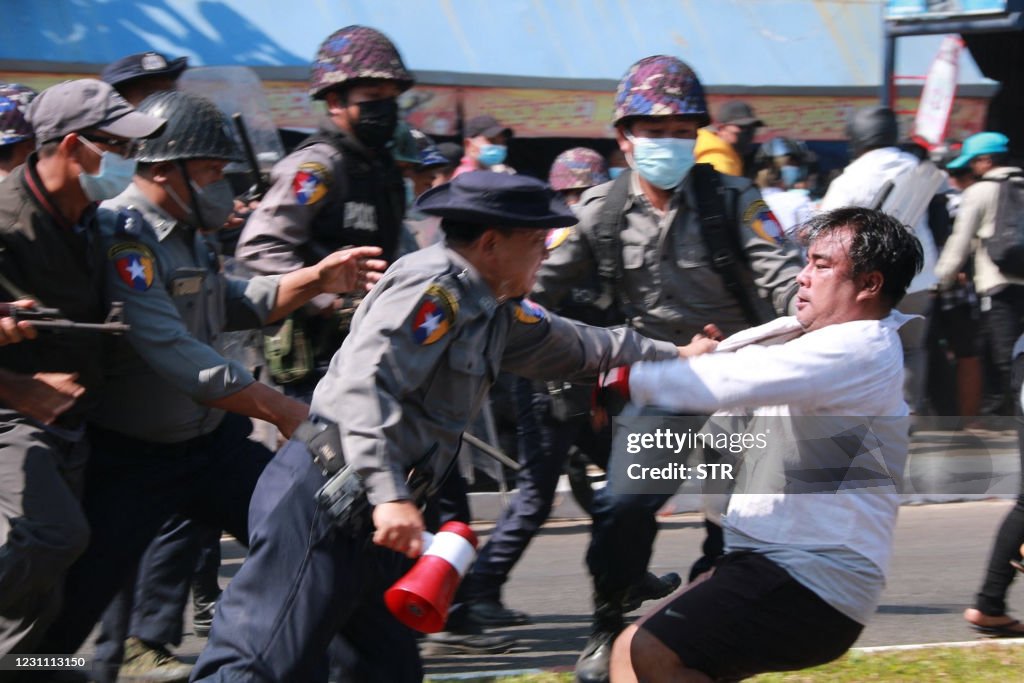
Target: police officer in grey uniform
426,344
641,238
170,430
48,252
341,187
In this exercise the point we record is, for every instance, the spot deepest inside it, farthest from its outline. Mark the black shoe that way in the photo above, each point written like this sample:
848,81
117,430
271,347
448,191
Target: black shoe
651,587
592,666
493,613
464,643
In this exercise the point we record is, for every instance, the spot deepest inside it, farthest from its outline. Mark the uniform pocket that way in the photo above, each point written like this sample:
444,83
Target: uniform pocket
458,383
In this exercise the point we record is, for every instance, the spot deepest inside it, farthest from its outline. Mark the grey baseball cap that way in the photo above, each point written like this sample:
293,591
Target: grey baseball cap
87,104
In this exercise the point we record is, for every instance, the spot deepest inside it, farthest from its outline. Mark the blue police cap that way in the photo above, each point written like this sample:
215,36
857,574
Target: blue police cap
142,64
497,200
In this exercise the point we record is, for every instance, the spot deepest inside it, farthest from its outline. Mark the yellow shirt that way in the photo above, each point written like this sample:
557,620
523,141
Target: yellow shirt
713,150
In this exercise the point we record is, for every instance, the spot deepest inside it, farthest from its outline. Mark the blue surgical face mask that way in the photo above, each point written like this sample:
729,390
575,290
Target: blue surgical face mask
492,155
663,162
216,203
615,171
791,175
113,178
410,192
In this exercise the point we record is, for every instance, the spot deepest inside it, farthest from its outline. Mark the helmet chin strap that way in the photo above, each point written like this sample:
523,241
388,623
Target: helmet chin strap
192,194
191,209
177,200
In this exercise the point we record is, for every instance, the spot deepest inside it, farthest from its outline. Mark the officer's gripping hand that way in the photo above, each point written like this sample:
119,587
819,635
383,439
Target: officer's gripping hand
350,270
705,342
399,527
13,331
43,396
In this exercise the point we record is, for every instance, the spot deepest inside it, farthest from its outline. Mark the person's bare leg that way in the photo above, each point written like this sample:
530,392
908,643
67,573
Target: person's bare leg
639,657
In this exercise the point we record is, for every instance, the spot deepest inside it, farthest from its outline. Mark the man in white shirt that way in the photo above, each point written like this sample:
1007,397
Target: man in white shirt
873,133
802,571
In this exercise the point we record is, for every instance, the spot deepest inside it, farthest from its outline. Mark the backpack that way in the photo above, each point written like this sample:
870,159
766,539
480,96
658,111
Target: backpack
720,226
1006,245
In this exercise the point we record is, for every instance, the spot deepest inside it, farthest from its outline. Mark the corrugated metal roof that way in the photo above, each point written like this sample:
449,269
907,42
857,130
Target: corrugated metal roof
728,42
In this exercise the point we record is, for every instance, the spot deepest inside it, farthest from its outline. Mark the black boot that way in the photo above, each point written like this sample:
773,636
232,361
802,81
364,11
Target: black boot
651,587
592,666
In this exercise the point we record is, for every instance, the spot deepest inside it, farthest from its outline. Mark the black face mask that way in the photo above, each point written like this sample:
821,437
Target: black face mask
376,124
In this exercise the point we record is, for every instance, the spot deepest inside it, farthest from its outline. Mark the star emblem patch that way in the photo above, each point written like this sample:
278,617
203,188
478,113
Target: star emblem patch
556,237
434,316
310,183
529,313
134,264
764,223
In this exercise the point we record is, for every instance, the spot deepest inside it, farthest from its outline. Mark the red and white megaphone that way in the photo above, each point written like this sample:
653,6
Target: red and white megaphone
421,598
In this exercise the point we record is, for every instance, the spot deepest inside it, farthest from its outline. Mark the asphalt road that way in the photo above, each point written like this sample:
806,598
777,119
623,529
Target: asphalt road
940,554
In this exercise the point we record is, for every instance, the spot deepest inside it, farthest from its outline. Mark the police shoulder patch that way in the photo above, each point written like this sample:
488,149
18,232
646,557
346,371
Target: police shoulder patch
435,315
310,183
556,237
529,313
134,263
763,222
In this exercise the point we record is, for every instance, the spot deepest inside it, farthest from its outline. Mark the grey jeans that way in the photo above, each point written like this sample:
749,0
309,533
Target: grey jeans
42,527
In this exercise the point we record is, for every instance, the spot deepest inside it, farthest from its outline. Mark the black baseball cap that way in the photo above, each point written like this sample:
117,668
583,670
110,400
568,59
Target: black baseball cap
487,126
739,113
141,65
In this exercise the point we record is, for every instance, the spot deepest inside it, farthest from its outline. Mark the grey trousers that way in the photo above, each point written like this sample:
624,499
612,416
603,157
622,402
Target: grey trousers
42,527
914,336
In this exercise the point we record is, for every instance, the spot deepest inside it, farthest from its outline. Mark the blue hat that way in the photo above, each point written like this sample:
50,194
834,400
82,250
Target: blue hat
497,200
978,144
430,157
140,65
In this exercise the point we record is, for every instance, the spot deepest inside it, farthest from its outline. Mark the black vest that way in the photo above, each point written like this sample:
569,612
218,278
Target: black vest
370,209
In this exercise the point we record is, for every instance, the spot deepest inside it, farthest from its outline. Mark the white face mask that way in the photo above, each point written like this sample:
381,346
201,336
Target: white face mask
114,176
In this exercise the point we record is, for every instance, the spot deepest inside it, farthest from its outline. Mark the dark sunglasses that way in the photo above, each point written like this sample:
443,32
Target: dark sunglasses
122,147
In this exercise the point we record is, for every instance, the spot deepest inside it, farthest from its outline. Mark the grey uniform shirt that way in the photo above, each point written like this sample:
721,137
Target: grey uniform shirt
425,347
667,272
278,237
177,303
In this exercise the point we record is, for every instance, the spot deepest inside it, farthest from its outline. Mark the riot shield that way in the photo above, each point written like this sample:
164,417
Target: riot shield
237,89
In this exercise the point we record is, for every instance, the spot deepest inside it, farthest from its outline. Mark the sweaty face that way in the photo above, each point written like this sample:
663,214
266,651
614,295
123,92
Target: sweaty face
518,255
828,291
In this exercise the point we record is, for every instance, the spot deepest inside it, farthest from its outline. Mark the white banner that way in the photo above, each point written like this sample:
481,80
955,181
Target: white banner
938,93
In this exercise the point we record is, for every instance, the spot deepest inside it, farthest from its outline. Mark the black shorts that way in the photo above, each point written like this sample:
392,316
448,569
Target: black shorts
750,617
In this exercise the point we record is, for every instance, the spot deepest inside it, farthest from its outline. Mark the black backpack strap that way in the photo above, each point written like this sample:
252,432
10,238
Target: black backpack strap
608,243
720,233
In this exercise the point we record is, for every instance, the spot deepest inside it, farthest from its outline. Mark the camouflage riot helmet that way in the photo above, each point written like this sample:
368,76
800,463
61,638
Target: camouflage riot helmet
660,86
14,100
195,129
577,169
356,53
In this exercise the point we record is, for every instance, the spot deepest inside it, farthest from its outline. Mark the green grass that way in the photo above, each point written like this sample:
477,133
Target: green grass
983,664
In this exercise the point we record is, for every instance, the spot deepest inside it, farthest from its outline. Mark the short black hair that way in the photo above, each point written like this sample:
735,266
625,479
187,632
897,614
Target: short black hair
879,243
463,234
